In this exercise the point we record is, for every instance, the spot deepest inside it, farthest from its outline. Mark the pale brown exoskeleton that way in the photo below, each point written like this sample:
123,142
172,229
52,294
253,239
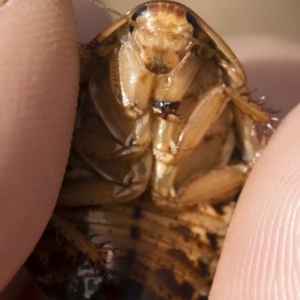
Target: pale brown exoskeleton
164,117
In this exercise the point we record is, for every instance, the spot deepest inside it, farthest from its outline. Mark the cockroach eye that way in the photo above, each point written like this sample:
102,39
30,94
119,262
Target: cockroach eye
190,18
139,12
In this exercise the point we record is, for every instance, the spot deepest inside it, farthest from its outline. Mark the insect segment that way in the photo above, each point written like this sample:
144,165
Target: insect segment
163,104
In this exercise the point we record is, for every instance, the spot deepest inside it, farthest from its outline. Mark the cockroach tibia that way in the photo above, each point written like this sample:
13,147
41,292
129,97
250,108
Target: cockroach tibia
163,142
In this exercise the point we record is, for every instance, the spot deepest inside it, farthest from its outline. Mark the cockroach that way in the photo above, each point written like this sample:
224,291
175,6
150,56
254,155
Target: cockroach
164,140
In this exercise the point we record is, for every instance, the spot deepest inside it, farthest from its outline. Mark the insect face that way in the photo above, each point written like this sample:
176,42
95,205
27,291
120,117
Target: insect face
163,35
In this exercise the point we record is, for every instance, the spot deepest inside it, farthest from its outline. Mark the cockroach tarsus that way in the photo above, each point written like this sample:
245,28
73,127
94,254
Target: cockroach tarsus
163,143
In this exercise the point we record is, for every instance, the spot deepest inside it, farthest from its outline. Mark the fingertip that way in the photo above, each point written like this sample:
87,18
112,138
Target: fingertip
261,253
38,86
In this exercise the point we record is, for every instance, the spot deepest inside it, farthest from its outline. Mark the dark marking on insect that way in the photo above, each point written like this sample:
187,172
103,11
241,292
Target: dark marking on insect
164,108
138,13
194,23
185,232
179,255
203,268
212,240
202,298
130,255
135,232
183,290
236,155
137,212
219,208
118,289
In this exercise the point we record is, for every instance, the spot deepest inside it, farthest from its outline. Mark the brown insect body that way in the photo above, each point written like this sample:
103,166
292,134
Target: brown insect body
163,104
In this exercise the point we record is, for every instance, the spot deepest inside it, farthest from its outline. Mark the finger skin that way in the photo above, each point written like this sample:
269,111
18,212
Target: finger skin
38,87
22,287
261,255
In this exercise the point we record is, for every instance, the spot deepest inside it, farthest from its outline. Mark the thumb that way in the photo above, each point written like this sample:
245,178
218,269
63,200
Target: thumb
260,258
38,87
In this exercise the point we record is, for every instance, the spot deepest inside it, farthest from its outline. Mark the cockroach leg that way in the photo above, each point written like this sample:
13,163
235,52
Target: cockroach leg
97,192
104,184
211,187
102,145
248,107
83,244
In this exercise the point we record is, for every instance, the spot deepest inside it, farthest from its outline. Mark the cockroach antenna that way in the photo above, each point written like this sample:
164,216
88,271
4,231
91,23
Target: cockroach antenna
103,7
113,11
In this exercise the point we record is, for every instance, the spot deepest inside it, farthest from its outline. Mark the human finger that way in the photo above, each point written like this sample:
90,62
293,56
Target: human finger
38,86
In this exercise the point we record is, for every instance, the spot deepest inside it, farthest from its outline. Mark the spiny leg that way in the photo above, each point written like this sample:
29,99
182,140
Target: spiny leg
211,187
94,181
205,114
248,107
98,257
